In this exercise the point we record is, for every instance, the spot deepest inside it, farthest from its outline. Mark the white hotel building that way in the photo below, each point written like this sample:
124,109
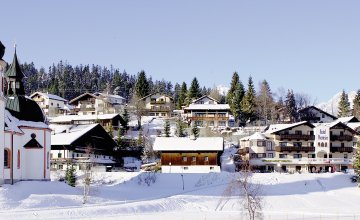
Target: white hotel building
301,147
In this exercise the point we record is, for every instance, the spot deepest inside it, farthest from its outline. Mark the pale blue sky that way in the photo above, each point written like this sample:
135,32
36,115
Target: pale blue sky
309,46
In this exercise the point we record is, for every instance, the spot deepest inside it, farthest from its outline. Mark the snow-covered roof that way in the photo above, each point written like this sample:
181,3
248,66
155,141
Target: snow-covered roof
279,127
208,107
188,144
346,120
98,160
69,118
14,124
157,93
67,134
109,95
49,96
255,136
68,107
354,125
205,96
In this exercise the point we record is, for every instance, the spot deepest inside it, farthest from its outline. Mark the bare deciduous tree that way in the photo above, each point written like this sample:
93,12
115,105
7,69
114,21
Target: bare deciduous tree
89,150
148,152
248,191
302,100
137,108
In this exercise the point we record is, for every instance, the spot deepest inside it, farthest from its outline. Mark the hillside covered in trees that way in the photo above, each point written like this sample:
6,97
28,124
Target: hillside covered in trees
245,102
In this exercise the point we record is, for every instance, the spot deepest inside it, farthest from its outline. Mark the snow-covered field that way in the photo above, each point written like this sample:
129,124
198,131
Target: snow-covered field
128,196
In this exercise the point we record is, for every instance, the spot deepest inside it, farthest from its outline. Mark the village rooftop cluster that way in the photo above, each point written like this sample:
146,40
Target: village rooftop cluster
43,132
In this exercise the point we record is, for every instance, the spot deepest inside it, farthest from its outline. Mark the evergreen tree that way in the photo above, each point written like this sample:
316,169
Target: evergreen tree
356,162
290,106
182,96
180,129
125,117
231,93
235,96
54,88
356,105
248,105
70,175
120,138
195,131
265,102
194,90
142,85
204,91
236,102
167,128
344,105
177,90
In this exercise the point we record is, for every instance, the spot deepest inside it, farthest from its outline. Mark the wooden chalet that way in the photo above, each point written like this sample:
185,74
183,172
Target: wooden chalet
187,155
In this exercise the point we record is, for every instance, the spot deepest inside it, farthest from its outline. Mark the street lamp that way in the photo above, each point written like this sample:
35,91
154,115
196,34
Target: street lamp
182,177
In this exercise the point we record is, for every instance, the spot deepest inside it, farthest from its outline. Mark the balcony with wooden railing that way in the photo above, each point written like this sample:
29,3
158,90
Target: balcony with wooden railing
292,148
341,149
305,137
209,118
157,102
341,138
158,109
303,160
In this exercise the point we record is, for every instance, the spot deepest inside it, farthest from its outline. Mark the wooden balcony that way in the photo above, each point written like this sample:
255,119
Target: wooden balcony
157,102
341,138
305,137
208,118
158,109
61,160
341,149
296,149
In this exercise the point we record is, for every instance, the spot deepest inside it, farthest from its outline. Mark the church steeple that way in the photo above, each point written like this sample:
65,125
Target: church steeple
14,77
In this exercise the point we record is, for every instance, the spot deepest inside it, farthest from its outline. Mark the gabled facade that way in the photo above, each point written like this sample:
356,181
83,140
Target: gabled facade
302,147
80,145
158,104
186,155
27,150
97,104
84,104
25,136
108,103
206,111
313,114
51,104
115,121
